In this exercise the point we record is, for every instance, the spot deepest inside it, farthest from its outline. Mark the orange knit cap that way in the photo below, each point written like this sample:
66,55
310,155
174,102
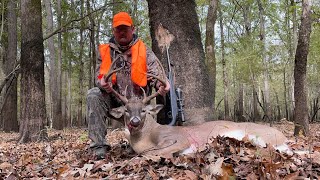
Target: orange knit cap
122,18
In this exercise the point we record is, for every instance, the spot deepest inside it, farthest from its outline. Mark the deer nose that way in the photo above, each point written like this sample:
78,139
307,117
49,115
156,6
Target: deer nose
135,121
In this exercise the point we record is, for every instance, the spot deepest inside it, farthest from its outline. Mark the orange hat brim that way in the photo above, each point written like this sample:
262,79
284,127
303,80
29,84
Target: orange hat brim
121,23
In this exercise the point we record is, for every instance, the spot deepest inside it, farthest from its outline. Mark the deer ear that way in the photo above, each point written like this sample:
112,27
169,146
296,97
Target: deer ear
117,112
154,109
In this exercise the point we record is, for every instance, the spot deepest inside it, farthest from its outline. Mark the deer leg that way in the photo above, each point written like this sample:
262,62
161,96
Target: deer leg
168,146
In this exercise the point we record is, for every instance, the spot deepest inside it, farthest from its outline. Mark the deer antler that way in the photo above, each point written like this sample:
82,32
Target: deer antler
106,77
147,99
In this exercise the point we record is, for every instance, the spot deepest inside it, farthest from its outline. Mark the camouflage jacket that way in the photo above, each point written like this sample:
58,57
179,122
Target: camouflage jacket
124,77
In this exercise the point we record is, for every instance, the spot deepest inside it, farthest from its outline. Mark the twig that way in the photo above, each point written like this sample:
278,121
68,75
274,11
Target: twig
124,165
8,77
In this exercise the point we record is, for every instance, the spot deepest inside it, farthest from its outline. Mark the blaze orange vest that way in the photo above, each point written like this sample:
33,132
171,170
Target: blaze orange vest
138,63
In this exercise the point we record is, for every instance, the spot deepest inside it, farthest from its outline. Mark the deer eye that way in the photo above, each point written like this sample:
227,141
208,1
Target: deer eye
143,110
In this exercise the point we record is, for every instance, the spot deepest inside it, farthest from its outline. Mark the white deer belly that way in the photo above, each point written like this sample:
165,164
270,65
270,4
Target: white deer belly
239,135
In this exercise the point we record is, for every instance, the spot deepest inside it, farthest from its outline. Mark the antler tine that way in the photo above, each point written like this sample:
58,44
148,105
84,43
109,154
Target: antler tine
106,77
112,70
147,99
158,78
144,93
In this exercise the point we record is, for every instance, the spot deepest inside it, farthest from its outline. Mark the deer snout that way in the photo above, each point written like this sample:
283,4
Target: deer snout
135,121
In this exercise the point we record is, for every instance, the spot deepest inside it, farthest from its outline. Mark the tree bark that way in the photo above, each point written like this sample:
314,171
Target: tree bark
300,90
9,110
209,46
179,19
224,67
33,111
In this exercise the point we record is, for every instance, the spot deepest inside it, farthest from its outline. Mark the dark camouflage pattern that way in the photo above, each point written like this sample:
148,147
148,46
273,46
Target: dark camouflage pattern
99,102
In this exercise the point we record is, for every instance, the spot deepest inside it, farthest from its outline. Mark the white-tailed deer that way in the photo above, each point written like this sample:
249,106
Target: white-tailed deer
149,137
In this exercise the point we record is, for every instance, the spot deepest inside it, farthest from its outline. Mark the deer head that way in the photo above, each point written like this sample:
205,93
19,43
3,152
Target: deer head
135,110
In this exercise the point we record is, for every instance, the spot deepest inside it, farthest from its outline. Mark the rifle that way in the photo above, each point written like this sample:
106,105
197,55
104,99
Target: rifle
175,112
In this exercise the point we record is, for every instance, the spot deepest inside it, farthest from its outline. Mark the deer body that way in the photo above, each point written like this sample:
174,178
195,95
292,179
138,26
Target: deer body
164,140
149,137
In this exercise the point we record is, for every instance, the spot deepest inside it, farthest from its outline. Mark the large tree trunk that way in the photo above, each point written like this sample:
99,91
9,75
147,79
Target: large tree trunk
209,46
33,107
186,53
9,110
224,67
300,91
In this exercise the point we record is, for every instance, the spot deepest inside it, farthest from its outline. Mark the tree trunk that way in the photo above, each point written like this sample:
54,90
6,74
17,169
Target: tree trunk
56,105
94,39
135,16
265,62
209,46
9,110
240,115
33,107
256,114
285,74
81,73
247,28
179,19
293,46
69,81
285,93
58,111
224,67
300,91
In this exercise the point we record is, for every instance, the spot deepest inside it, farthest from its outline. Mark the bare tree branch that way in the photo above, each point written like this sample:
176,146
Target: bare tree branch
63,27
8,77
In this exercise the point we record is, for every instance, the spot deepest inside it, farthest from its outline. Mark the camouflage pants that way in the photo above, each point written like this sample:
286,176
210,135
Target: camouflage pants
98,105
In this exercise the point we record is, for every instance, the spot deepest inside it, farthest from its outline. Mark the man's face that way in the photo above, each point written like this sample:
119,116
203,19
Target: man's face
123,34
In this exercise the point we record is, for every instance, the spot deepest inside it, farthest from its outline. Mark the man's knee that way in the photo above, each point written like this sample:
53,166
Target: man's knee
94,92
94,95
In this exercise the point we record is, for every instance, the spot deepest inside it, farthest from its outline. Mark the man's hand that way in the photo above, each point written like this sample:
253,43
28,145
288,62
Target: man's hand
163,89
106,85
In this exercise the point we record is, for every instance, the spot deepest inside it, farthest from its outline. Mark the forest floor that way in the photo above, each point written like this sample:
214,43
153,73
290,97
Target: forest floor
67,156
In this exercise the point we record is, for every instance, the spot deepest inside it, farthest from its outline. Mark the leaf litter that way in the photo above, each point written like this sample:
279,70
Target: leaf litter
67,156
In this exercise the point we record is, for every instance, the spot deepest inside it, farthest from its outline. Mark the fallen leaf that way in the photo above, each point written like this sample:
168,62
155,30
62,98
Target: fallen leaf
6,166
292,176
216,168
190,174
316,157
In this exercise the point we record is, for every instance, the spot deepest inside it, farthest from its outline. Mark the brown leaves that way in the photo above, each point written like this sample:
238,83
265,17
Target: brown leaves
67,156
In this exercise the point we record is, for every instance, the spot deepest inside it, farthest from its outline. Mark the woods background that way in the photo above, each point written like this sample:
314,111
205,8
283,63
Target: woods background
233,59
